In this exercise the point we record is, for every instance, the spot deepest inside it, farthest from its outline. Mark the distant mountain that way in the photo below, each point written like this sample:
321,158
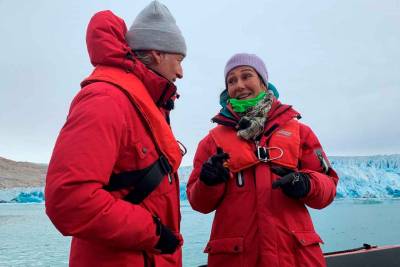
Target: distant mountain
21,174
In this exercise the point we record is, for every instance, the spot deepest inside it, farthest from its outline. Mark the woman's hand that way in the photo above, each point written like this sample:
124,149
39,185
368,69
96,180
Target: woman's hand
293,184
213,171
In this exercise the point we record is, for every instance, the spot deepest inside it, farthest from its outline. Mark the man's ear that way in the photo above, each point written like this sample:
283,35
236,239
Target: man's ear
157,56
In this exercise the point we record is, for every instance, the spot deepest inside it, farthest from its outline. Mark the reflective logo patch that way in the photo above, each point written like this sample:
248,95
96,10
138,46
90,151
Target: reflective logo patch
284,133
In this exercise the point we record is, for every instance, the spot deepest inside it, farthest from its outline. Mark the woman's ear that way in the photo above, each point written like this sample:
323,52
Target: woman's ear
263,86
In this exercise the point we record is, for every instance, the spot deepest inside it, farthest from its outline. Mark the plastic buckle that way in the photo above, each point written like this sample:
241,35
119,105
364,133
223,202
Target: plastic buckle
263,153
165,165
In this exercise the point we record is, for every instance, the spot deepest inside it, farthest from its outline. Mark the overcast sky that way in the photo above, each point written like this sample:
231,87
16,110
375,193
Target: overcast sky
336,62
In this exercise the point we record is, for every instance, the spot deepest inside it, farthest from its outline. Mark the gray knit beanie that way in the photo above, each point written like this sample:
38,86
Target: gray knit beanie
244,59
155,28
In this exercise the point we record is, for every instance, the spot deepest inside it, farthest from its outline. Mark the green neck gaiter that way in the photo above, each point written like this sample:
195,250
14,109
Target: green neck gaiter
242,105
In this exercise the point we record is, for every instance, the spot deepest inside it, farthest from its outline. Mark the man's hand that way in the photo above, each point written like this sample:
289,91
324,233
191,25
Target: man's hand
293,184
168,242
213,171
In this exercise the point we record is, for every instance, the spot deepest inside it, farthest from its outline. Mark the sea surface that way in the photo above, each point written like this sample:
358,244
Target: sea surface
27,237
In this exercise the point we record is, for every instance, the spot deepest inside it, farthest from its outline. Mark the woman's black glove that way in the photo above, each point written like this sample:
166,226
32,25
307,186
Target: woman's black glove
293,184
213,171
168,243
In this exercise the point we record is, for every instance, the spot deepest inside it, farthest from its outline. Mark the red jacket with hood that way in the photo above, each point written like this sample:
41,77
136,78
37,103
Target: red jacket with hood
255,225
104,134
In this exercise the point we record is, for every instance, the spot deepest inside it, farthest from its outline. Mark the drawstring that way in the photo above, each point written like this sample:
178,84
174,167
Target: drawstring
182,148
129,56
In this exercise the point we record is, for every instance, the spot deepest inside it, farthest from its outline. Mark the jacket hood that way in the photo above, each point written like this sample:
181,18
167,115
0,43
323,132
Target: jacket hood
105,40
106,44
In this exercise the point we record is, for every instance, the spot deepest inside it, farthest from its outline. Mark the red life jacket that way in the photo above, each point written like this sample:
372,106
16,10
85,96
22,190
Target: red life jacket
161,132
282,146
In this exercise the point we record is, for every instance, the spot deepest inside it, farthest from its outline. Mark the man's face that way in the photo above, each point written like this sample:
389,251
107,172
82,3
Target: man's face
168,65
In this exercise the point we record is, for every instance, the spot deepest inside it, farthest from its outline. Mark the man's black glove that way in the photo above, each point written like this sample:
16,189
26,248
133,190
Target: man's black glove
168,243
293,184
213,171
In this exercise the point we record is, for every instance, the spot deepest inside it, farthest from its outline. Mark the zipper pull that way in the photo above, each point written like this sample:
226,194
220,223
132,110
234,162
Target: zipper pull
322,161
240,180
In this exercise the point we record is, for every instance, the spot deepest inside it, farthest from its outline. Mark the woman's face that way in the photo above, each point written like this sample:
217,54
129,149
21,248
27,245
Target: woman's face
244,83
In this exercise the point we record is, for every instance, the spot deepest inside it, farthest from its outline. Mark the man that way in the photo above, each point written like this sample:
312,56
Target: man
112,182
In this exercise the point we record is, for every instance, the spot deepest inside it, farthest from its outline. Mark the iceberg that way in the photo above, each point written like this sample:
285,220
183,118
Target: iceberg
22,195
363,177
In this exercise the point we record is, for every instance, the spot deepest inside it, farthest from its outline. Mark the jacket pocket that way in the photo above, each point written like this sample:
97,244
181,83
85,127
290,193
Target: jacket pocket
308,251
240,182
225,252
307,238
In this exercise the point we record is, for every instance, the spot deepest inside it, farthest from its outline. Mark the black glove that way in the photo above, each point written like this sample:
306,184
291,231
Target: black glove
168,243
213,171
293,184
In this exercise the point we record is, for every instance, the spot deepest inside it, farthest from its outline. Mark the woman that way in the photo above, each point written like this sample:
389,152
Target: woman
258,169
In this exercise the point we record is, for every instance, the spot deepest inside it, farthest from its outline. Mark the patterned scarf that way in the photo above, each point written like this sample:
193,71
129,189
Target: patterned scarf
252,121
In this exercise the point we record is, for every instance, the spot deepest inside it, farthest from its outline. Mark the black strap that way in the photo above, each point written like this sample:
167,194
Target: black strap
143,181
271,130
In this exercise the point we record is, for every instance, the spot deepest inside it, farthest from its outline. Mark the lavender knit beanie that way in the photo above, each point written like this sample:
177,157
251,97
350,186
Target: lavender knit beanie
244,59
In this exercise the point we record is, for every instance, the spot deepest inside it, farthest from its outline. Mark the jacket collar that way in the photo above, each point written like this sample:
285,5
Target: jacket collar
278,115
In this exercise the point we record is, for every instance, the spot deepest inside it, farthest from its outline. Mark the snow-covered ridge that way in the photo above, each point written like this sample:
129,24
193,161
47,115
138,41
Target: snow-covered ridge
360,177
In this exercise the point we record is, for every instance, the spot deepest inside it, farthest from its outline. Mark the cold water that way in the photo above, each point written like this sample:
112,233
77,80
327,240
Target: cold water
27,237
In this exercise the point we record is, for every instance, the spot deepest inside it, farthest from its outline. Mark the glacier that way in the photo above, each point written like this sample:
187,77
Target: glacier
368,177
361,177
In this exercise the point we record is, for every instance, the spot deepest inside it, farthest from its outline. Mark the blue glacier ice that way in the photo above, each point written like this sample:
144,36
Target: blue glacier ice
366,177
360,177
29,197
22,195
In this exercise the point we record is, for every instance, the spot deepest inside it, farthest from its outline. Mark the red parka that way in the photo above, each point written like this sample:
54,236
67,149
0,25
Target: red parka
105,134
255,225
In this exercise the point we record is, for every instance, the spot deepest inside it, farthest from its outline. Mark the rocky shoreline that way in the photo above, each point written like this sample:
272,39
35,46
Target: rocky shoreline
21,174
